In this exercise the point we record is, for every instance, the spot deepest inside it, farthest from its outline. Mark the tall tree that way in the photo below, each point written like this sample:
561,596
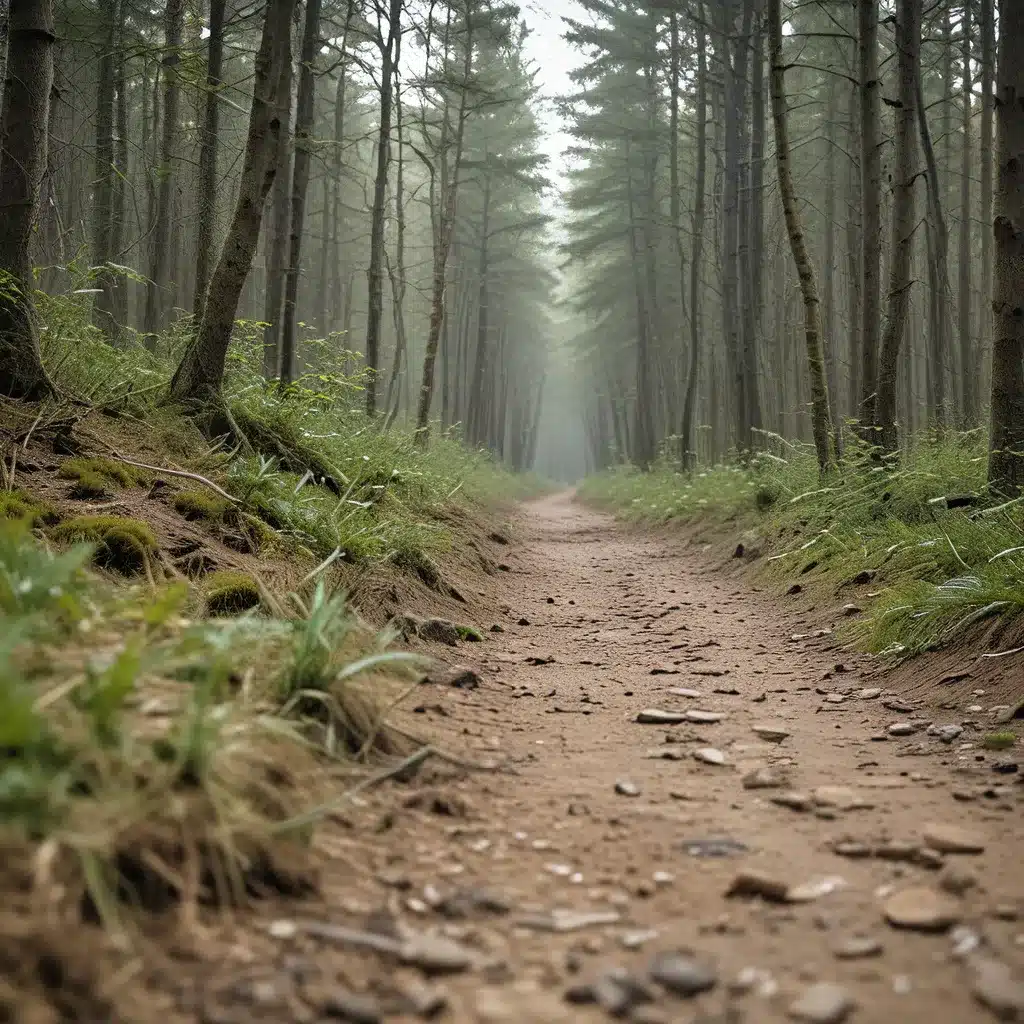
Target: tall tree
798,244
375,273
1006,458
968,375
304,118
208,147
162,264
103,204
23,150
870,205
908,43
197,382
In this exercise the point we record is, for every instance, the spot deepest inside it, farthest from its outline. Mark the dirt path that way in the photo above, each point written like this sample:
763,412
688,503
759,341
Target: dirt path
599,624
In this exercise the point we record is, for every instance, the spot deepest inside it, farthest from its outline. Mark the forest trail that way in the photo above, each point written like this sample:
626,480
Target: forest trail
594,812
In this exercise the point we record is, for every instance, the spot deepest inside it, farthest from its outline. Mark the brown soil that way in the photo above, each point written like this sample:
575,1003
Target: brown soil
523,816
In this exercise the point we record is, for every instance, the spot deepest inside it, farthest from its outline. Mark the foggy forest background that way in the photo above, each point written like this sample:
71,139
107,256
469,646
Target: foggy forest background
657,313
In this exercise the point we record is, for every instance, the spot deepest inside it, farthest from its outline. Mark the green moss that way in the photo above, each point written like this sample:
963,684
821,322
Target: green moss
93,477
122,545
230,593
24,508
999,741
469,634
200,505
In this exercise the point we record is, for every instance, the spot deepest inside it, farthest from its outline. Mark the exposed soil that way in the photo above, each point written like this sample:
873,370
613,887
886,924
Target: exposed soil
562,800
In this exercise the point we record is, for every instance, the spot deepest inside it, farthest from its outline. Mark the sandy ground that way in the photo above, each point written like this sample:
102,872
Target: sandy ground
589,811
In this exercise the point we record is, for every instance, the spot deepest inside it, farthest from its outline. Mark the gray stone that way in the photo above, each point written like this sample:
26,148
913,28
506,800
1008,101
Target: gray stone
953,839
704,717
922,909
683,975
709,755
858,947
770,733
624,787
997,989
823,1003
655,716
901,729
764,778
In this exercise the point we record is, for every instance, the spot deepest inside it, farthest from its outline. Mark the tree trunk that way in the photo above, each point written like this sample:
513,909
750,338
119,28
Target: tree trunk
397,273
940,333
276,239
968,369
987,146
854,244
871,206
689,447
829,296
476,431
103,184
305,114
23,149
119,288
375,273
207,211
158,286
442,245
908,39
798,245
1006,458
197,382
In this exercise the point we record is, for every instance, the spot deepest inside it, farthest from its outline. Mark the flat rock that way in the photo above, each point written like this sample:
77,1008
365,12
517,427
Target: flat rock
920,908
868,693
946,733
997,989
858,947
953,839
682,975
435,954
765,778
793,799
770,733
655,716
682,691
704,717
625,787
823,1003
842,798
901,729
709,755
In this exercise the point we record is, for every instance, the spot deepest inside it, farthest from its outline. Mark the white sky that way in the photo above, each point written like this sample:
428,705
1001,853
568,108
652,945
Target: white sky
555,60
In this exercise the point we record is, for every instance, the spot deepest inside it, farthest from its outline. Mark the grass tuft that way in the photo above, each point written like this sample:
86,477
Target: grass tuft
23,507
229,592
196,506
122,545
95,477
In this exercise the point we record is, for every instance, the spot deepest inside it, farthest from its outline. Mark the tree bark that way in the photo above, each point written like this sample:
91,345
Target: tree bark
968,369
375,273
276,239
987,146
940,333
23,149
1006,457
103,178
689,447
208,157
871,206
908,39
305,114
798,245
198,380
443,242
158,286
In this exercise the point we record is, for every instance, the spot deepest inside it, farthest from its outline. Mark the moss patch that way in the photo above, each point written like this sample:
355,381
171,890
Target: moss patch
122,545
24,508
94,477
999,741
199,505
230,593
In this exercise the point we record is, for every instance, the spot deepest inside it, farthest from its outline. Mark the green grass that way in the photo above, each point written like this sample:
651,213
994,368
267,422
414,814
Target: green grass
228,769
321,473
937,570
95,477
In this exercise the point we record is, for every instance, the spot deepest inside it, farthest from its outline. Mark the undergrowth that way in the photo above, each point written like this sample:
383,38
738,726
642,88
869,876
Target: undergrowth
939,553
314,468
163,759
